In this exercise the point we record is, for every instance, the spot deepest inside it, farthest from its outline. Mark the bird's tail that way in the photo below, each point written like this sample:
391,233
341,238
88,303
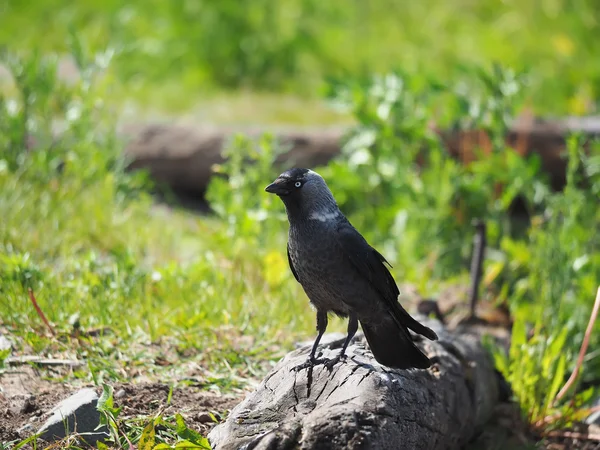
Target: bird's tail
405,319
393,346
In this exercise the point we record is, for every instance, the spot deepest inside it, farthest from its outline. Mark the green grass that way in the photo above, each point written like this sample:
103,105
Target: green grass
175,54
143,273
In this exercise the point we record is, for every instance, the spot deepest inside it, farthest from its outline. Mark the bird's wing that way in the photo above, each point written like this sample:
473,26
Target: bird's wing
368,261
371,265
291,264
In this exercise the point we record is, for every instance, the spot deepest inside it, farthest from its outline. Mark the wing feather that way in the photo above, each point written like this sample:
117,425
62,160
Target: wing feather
291,264
371,265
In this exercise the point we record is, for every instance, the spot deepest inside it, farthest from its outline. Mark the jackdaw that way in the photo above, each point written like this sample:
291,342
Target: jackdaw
342,274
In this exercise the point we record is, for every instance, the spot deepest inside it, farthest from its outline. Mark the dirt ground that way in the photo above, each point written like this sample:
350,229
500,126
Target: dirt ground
25,398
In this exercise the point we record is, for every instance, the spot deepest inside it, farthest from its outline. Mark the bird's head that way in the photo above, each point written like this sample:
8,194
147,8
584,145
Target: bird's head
305,195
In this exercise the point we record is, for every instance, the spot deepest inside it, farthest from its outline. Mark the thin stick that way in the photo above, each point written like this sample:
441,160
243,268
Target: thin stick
39,311
551,418
575,435
477,265
584,346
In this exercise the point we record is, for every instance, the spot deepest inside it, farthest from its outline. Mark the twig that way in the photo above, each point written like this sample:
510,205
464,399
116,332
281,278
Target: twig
39,311
552,417
38,360
594,409
131,447
583,349
119,432
575,435
477,265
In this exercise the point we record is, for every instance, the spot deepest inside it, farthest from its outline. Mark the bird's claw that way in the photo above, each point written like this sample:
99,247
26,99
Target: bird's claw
309,364
328,363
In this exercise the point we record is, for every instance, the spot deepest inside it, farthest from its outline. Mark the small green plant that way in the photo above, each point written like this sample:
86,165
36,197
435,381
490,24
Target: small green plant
396,176
398,181
109,414
3,355
154,435
541,357
237,195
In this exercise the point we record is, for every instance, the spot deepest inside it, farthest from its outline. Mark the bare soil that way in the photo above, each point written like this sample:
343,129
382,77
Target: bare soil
25,398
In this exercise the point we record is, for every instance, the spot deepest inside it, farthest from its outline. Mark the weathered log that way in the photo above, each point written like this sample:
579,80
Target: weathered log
361,404
182,156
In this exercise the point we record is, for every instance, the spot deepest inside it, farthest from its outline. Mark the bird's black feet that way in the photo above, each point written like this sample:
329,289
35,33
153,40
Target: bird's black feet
310,363
330,363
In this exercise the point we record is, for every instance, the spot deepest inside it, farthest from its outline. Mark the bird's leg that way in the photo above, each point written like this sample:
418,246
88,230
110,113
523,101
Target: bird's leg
352,329
321,327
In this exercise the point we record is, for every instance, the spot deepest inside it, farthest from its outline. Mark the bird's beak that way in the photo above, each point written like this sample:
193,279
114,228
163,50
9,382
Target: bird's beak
277,187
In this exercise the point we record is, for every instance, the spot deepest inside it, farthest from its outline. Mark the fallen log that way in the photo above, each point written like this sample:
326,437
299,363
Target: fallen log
182,156
361,404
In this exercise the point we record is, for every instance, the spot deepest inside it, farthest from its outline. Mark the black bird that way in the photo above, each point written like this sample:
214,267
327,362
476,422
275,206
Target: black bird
342,274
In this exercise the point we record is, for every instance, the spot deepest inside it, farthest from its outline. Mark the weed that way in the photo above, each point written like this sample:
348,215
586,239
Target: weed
399,183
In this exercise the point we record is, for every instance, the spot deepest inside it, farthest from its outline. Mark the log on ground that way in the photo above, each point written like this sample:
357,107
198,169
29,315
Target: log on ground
182,156
362,404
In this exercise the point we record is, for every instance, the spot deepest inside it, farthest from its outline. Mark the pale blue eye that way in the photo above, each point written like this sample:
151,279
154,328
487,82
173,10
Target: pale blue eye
298,184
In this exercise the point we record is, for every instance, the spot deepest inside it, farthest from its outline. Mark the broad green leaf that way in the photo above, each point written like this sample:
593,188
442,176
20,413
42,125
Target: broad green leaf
187,444
147,438
188,434
105,402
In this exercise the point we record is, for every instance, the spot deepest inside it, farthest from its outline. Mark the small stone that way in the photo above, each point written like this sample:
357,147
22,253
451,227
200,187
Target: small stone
120,393
26,429
76,413
24,407
204,418
28,406
5,343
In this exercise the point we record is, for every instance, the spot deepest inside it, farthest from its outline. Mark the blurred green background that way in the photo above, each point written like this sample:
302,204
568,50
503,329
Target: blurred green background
213,292
175,54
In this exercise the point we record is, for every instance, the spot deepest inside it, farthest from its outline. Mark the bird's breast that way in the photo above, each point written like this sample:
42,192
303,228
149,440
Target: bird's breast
328,278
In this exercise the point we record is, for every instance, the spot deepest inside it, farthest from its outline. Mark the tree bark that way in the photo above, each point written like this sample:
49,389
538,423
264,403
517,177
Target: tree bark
361,404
